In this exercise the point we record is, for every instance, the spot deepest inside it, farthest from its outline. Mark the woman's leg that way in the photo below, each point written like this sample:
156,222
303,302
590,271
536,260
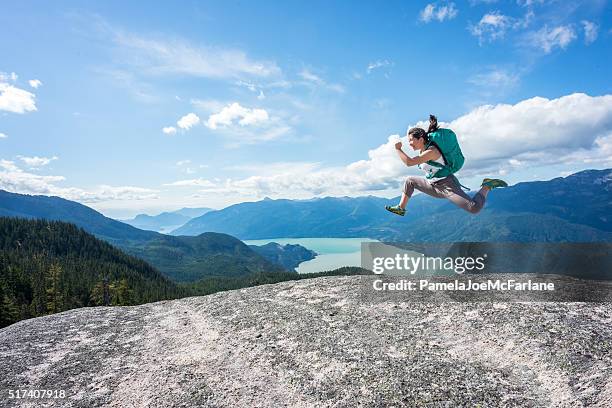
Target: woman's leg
455,194
420,184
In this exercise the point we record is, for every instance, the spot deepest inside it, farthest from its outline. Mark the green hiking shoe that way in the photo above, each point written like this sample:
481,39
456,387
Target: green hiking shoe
395,209
493,183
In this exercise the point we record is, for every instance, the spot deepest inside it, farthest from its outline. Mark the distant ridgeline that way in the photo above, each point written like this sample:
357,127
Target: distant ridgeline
50,266
182,259
576,208
166,221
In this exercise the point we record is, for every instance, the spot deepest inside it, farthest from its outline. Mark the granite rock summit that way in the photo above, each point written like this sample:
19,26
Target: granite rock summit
314,342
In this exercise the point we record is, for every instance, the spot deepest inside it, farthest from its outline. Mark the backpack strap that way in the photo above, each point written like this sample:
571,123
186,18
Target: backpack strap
434,144
443,170
462,186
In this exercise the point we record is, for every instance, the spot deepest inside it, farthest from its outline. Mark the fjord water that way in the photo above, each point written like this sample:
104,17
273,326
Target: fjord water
332,252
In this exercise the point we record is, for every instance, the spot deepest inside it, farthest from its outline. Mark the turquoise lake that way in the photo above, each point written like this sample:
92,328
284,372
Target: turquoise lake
333,252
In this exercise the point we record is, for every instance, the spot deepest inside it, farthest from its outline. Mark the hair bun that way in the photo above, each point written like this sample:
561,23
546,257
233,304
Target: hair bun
433,124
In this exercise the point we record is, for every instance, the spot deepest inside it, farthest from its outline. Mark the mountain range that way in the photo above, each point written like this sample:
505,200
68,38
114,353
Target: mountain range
576,208
182,259
166,221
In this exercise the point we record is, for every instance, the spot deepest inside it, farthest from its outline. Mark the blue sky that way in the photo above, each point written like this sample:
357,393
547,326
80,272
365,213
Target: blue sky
150,106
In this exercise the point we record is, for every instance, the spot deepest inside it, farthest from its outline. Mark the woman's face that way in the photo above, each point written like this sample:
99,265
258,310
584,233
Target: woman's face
416,143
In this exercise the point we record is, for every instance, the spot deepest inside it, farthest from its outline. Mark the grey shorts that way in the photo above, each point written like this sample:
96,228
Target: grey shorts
447,187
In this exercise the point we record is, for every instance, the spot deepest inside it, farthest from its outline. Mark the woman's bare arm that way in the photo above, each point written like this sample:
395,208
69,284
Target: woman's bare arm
430,154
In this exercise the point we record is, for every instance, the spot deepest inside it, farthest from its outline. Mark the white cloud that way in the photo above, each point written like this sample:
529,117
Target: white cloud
188,121
311,78
273,168
491,27
525,21
15,179
381,172
428,13
16,100
495,139
241,125
192,183
180,57
184,166
253,117
495,78
9,165
249,85
12,178
235,111
336,88
536,130
111,193
244,136
169,130
139,90
254,88
529,3
377,64
282,84
494,26
433,12
36,161
548,39
208,105
5,77
3,136
590,31
35,83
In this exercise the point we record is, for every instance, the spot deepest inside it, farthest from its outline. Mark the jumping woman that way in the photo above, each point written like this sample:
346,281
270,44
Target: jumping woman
440,157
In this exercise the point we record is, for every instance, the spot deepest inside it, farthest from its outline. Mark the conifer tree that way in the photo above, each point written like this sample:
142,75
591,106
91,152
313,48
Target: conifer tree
123,293
9,312
97,294
54,291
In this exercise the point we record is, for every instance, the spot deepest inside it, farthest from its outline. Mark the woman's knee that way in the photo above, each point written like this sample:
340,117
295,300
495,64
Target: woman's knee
478,202
411,181
474,209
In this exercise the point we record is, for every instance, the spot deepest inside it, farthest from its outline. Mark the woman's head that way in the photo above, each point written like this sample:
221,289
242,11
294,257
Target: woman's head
418,138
